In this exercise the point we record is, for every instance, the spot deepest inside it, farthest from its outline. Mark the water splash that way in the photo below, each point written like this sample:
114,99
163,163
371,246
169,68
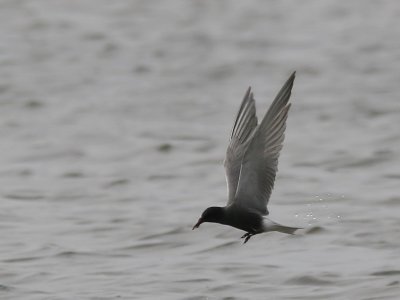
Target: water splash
319,211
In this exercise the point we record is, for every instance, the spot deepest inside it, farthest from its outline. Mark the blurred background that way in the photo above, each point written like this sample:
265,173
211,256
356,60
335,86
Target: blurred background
114,120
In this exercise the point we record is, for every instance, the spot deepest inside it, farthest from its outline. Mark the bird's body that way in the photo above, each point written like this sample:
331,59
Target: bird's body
251,165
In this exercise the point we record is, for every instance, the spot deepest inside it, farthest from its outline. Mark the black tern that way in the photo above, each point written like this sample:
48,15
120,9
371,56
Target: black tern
251,164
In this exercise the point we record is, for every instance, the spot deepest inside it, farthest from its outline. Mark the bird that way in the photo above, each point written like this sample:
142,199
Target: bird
251,164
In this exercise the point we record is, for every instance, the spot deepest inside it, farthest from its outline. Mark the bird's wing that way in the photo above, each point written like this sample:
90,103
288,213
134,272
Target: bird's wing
243,128
260,161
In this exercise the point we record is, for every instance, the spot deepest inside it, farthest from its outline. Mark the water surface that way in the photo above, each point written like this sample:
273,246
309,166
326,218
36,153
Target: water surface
114,118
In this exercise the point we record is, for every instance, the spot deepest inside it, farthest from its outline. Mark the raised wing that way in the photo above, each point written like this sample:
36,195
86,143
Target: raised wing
245,122
260,161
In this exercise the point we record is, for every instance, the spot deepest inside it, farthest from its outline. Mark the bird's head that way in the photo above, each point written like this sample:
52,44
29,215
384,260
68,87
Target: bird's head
211,214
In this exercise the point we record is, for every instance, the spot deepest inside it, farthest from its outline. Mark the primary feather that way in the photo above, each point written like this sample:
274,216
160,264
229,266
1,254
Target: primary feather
243,127
252,156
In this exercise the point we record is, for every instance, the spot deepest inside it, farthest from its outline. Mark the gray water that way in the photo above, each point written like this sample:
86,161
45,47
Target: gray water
114,120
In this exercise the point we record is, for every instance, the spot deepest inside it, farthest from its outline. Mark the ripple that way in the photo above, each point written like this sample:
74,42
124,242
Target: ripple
195,280
145,245
163,234
33,104
164,148
117,182
386,273
223,287
218,247
315,230
73,174
308,280
25,195
4,287
162,177
392,201
22,259
74,253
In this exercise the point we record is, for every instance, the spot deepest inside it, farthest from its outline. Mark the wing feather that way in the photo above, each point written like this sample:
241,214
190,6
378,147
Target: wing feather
260,161
243,127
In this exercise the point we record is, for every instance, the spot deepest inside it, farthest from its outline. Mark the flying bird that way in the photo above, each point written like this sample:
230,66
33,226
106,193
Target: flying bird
251,164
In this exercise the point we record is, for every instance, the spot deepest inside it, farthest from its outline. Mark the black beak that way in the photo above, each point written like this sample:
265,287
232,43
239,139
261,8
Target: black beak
198,224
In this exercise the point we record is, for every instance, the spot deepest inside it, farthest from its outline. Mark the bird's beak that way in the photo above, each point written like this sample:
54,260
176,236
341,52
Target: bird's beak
198,223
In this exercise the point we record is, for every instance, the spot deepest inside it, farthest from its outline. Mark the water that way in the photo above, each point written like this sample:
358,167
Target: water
114,118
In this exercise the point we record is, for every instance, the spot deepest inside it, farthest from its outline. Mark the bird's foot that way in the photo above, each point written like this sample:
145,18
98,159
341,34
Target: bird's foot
246,237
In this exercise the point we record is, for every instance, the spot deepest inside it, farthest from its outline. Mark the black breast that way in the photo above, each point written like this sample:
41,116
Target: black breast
245,220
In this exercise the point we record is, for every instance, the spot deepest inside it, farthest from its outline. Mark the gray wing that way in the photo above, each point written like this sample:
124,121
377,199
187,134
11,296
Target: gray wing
245,122
260,161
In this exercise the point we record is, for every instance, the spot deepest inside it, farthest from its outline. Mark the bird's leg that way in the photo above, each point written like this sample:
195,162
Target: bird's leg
247,238
245,235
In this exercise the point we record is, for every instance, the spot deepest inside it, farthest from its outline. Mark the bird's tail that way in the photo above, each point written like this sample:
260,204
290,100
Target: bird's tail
286,229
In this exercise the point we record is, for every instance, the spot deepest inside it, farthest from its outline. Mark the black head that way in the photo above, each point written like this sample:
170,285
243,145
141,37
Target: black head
211,214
